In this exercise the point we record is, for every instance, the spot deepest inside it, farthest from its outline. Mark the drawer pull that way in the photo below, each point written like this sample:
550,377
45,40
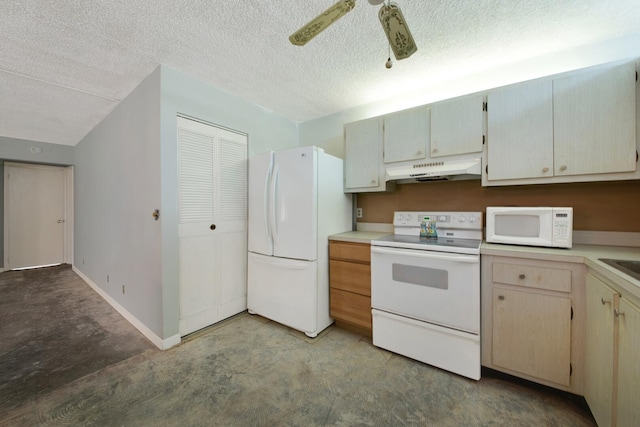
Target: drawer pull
604,301
522,276
617,312
501,297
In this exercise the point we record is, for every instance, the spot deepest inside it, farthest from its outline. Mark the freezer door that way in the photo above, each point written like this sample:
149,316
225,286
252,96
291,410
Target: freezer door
260,204
284,290
295,230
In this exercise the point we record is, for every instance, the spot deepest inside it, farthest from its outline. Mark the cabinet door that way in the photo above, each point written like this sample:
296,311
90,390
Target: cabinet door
406,135
363,145
520,132
456,127
599,349
594,121
628,365
532,334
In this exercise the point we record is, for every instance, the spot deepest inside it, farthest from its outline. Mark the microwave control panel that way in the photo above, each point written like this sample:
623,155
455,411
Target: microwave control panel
562,225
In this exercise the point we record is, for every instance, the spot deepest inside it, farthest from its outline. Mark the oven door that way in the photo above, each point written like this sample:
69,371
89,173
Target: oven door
436,287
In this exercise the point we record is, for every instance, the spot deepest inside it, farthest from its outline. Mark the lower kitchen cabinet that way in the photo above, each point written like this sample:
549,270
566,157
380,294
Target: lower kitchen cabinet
350,285
612,351
532,320
532,334
628,364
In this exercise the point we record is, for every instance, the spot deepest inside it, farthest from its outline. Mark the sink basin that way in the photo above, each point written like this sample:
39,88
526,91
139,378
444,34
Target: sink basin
631,268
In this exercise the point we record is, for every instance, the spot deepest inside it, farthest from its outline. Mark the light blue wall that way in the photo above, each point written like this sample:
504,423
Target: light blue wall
19,150
182,94
127,166
117,187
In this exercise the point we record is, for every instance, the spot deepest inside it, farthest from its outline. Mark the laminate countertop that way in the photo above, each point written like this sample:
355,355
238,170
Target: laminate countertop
589,255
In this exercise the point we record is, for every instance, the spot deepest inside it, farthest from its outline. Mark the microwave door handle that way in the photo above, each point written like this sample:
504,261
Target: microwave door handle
471,259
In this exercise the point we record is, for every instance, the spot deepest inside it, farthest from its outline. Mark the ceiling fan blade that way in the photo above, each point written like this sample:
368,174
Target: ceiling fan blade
395,27
321,22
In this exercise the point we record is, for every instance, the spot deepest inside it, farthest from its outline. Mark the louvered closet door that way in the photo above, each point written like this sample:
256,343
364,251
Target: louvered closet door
212,224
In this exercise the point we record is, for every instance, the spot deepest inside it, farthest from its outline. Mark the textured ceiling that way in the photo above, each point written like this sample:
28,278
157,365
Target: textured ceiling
65,64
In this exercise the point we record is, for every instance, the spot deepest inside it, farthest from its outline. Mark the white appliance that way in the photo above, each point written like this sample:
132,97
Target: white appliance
535,226
425,293
435,170
296,201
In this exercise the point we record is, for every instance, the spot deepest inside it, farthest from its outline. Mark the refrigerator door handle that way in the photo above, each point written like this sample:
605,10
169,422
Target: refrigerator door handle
267,203
274,204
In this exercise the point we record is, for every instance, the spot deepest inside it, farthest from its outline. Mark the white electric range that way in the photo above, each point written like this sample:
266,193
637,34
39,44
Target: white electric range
425,292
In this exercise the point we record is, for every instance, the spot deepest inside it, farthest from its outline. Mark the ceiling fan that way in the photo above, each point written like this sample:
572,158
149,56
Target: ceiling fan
393,22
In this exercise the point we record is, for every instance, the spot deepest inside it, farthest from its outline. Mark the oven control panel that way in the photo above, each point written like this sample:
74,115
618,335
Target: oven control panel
458,220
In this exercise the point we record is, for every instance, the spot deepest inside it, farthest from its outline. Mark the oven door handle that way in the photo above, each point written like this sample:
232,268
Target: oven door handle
471,259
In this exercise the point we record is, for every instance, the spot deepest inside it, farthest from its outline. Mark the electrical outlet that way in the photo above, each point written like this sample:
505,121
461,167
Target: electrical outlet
359,213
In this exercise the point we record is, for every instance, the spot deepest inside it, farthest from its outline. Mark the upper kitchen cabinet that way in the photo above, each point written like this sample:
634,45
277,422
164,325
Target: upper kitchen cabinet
594,116
457,126
363,168
406,135
520,132
581,126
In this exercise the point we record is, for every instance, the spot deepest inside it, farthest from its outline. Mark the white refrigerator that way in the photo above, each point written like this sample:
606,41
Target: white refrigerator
296,201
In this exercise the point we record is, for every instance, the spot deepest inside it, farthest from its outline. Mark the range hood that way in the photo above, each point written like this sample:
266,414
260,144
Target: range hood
445,170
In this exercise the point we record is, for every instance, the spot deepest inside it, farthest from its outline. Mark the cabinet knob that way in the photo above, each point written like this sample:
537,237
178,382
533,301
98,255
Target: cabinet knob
545,170
435,150
604,301
212,227
563,168
617,312
522,276
501,297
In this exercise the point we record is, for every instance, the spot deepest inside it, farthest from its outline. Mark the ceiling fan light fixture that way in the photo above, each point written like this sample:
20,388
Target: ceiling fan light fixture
321,22
397,31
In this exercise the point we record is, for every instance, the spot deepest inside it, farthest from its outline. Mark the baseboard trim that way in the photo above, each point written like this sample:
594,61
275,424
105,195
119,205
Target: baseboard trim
156,340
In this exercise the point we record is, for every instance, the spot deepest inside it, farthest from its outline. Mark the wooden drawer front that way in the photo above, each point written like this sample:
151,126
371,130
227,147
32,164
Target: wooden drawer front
350,308
350,277
553,279
358,252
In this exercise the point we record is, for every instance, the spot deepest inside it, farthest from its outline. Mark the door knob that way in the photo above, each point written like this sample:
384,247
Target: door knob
212,227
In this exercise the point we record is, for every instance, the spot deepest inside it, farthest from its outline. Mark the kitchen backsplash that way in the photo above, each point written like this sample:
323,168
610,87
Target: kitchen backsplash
597,206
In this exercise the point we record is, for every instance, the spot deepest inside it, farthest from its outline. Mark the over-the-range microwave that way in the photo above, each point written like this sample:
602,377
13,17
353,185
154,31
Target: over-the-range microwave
530,226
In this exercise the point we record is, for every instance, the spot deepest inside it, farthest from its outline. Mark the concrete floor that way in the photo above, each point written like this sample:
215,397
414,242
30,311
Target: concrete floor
246,371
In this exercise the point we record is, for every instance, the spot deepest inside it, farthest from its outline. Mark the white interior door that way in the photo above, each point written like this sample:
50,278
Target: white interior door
212,224
34,227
